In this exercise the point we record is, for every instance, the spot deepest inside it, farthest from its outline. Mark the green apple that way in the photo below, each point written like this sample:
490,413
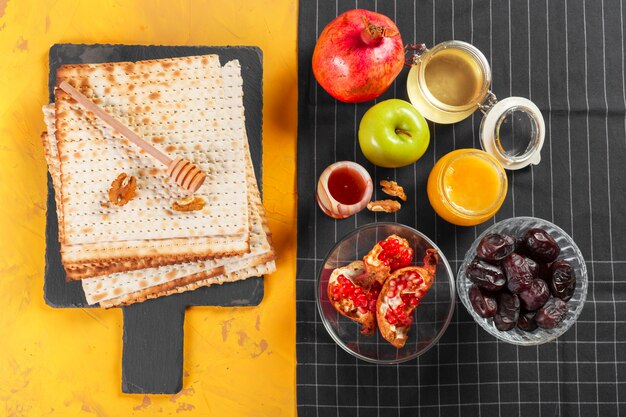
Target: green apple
393,134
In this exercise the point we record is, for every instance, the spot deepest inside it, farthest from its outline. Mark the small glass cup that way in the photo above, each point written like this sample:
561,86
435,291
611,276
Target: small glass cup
329,204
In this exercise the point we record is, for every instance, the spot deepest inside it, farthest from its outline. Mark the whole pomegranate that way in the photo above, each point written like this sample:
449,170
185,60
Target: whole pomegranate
358,55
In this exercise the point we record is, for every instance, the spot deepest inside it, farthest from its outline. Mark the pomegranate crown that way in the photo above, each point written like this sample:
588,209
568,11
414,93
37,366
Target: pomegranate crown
377,32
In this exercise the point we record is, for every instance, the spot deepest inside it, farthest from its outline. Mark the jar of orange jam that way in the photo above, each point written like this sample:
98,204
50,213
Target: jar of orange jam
467,187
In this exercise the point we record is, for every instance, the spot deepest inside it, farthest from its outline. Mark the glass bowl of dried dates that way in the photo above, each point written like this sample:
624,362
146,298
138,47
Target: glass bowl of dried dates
524,281
385,293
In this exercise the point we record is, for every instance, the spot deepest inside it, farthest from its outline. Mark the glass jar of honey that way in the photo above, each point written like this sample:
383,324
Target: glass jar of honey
452,80
448,82
467,187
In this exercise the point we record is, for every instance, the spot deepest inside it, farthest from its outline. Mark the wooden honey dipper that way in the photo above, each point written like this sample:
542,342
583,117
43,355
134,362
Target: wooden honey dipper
185,173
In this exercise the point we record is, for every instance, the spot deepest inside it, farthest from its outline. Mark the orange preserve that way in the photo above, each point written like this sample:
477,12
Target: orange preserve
467,187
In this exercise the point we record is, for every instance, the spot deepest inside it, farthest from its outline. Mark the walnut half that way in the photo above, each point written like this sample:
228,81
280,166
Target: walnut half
122,189
191,203
387,206
393,189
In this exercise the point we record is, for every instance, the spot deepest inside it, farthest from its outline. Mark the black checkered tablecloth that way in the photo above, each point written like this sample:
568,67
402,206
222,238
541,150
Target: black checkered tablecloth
567,57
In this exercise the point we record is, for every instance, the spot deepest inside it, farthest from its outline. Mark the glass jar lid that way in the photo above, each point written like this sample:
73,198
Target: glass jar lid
513,131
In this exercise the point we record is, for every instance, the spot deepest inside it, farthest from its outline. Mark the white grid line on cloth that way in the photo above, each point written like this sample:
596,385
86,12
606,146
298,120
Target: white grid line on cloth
395,216
356,224
621,14
456,255
461,260
437,347
532,171
417,373
579,320
317,25
608,183
512,177
466,384
496,362
595,311
476,331
569,147
468,404
472,322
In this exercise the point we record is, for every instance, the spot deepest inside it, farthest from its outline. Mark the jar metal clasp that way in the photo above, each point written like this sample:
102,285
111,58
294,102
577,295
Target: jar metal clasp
417,50
488,103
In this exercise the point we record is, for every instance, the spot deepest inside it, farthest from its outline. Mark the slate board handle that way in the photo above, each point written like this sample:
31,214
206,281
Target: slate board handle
152,356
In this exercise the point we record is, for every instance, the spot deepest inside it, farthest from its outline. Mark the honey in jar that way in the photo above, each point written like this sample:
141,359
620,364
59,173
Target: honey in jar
449,82
467,187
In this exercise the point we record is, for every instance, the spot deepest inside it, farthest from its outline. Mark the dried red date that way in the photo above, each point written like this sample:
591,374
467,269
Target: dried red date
536,296
563,283
519,277
541,246
539,270
551,314
485,275
494,247
484,303
508,311
527,321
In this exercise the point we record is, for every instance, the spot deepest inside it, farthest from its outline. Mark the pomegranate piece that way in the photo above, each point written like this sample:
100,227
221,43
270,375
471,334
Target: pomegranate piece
541,246
508,311
388,256
485,304
353,293
551,314
563,282
527,321
485,275
495,246
536,296
399,297
519,277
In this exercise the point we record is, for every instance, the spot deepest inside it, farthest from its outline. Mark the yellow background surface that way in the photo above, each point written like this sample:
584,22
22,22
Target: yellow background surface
67,362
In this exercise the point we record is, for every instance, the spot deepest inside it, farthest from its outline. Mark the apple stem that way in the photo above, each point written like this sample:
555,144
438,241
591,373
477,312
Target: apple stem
404,132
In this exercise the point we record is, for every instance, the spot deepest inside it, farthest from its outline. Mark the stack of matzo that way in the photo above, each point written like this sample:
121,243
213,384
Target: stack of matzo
189,107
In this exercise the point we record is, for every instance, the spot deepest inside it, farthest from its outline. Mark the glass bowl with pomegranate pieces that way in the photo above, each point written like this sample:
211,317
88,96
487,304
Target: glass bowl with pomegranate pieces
517,227
429,320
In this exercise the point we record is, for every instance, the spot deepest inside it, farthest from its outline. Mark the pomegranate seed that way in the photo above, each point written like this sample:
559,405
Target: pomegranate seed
392,283
362,310
391,293
414,301
391,319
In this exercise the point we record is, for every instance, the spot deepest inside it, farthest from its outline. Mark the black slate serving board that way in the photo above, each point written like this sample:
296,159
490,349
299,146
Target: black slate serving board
152,358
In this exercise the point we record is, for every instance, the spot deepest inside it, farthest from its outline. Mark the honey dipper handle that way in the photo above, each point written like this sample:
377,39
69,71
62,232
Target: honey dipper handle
115,124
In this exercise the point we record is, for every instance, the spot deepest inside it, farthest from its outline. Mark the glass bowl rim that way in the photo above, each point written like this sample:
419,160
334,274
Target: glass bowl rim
484,323
448,319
